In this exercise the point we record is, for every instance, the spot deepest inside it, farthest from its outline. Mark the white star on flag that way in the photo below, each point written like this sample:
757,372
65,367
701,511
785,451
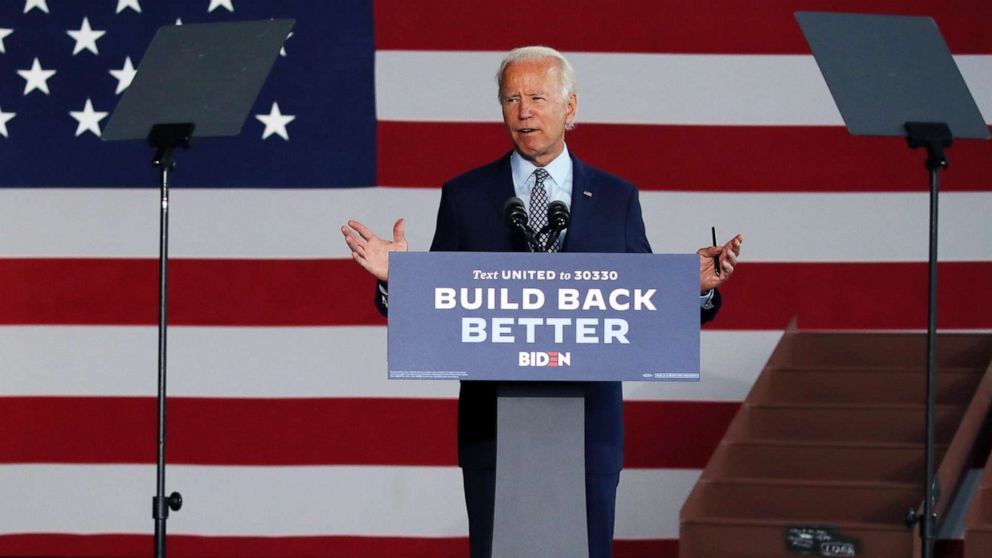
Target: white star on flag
88,119
3,34
124,76
36,78
227,4
275,122
133,4
4,119
282,51
85,38
40,4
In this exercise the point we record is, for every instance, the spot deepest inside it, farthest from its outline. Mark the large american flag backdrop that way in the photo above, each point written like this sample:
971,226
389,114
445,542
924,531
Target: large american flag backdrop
284,435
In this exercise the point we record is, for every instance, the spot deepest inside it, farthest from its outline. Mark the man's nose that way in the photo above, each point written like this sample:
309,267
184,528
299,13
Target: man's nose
524,109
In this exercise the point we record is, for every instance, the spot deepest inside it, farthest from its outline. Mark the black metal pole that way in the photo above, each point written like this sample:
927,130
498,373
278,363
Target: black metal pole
934,136
160,511
165,138
929,524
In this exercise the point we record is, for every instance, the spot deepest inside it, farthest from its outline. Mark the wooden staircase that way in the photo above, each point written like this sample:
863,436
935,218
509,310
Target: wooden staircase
829,443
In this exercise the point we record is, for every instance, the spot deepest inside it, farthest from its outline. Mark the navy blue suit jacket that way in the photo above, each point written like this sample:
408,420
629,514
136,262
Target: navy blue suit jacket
605,217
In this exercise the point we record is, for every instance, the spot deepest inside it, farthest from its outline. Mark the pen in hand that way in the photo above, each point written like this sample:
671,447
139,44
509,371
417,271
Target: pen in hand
716,259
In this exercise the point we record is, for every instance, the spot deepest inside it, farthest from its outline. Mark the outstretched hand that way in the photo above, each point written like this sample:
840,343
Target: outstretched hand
370,251
727,254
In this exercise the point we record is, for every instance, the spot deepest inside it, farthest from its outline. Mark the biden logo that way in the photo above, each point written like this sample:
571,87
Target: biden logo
530,358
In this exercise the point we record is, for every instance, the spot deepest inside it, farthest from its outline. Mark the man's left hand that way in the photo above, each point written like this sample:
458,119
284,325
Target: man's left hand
727,254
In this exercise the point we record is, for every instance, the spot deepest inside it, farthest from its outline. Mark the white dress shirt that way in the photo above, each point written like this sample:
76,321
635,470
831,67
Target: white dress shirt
558,183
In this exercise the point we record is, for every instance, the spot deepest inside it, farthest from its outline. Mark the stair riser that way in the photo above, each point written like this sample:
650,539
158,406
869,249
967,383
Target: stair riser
855,425
748,541
807,503
977,544
983,501
881,350
820,463
869,387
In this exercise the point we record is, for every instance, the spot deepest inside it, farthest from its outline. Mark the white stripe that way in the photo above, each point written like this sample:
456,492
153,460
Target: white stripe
209,223
291,362
853,227
287,501
225,223
722,89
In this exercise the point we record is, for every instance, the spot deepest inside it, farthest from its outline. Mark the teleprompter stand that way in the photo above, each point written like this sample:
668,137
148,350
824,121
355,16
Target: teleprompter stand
165,138
206,78
894,76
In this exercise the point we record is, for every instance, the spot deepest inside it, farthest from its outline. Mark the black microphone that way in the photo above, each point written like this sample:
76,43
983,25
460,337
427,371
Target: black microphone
557,222
557,216
516,217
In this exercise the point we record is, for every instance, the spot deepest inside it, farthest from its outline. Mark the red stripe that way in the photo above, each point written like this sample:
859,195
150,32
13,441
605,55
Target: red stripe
714,26
674,434
693,158
187,546
201,292
338,292
856,296
415,432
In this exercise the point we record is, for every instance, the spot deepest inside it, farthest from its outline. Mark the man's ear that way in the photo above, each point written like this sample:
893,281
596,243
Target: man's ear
571,109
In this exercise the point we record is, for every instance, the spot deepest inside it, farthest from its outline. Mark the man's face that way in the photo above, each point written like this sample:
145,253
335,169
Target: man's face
533,109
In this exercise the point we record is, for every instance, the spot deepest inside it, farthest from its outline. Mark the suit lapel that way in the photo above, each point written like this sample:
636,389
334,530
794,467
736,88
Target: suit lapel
504,182
583,196
501,190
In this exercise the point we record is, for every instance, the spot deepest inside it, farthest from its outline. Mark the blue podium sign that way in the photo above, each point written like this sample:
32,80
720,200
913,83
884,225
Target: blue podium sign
522,316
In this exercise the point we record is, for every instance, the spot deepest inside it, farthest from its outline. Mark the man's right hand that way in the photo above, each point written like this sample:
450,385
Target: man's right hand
372,252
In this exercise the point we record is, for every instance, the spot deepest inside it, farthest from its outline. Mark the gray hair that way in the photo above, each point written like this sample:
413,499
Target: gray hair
569,86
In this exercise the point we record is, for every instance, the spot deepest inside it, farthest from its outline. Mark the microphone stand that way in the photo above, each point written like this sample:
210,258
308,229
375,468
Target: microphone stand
535,245
516,217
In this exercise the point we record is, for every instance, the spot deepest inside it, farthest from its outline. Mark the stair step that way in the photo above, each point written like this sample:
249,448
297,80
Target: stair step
808,501
779,459
978,541
762,538
861,423
887,349
983,499
861,385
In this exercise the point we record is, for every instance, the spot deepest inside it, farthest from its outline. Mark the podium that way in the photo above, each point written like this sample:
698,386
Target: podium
542,325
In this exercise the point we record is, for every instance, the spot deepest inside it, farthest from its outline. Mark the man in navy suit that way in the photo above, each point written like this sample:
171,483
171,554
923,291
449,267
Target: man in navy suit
537,93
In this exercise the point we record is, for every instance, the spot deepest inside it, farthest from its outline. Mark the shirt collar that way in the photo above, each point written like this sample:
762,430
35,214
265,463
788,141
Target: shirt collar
558,169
